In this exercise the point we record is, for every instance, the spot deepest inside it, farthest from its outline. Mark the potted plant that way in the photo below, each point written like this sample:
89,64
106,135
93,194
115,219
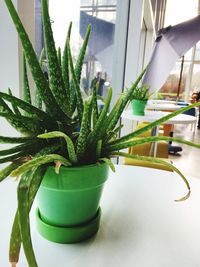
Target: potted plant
59,127
139,99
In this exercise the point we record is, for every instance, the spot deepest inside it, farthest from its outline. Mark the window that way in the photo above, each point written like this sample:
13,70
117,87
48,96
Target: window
187,81
101,14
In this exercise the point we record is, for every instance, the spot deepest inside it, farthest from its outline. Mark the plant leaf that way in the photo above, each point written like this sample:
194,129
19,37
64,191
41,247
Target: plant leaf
123,102
4,107
76,86
99,149
4,173
38,161
15,240
26,88
80,60
109,162
113,133
78,70
15,109
18,148
27,107
15,140
59,56
51,149
70,145
16,156
24,221
97,132
139,141
155,123
25,125
82,139
54,70
65,63
38,98
155,160
95,112
37,73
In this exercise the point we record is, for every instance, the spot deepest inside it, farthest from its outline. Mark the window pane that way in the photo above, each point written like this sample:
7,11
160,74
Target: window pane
197,52
186,10
170,88
98,61
195,84
188,55
86,2
107,2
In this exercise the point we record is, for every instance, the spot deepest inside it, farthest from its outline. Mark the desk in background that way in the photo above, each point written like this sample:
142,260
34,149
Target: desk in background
151,116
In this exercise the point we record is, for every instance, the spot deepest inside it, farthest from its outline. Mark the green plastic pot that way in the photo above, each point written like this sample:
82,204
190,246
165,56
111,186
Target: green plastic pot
138,106
68,202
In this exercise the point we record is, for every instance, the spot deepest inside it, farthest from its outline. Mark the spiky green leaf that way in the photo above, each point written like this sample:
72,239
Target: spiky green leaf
38,98
65,63
109,162
4,173
25,125
156,160
18,148
15,140
123,102
97,132
26,88
54,69
80,60
154,124
76,86
15,109
70,145
99,149
59,56
38,161
41,83
139,141
82,139
15,240
78,70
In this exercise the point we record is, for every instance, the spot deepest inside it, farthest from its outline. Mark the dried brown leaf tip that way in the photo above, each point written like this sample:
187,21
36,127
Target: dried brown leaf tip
23,159
16,178
185,197
57,166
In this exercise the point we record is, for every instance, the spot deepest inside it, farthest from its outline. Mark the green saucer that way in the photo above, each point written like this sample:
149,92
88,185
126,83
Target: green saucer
67,235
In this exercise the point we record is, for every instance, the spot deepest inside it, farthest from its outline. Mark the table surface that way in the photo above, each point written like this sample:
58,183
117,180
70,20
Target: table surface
163,105
159,101
151,116
141,225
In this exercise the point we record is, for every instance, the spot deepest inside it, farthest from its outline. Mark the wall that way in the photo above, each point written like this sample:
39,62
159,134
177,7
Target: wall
9,71
26,12
8,52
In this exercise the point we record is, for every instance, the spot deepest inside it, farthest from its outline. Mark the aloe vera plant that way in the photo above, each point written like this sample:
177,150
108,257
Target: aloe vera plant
60,127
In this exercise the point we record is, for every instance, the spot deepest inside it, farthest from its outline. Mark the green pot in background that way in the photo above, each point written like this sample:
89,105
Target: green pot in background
68,203
138,106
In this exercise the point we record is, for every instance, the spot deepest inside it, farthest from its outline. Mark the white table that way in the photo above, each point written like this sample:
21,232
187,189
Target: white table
163,106
141,225
151,116
159,101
